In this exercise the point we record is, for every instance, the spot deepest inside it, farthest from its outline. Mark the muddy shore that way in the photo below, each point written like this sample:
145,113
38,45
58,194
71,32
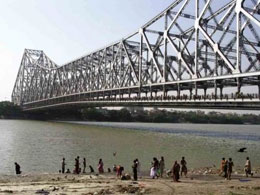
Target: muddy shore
203,181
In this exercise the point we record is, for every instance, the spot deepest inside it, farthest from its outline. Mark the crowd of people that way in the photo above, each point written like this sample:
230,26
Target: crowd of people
157,168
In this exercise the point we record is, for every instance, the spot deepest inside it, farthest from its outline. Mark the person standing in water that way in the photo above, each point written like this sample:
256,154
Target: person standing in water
222,165
184,166
248,167
77,169
63,164
100,166
134,166
225,168
17,168
230,165
161,166
176,171
138,167
84,165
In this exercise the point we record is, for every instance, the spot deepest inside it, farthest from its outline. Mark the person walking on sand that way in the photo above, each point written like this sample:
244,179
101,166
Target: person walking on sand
223,161
230,165
248,167
17,168
134,167
176,172
63,164
84,165
161,166
184,166
138,167
100,166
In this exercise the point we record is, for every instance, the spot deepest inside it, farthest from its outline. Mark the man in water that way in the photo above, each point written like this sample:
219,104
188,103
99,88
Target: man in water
63,165
17,168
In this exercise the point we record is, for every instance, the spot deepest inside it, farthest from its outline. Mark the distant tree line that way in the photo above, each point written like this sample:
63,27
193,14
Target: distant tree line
10,111
163,116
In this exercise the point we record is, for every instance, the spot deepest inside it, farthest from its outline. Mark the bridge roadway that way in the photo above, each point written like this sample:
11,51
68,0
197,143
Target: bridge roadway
241,102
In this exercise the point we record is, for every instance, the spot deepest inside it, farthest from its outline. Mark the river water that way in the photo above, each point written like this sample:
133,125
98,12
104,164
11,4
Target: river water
39,146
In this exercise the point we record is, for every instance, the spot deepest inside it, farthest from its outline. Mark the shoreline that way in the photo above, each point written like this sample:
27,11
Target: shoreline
47,183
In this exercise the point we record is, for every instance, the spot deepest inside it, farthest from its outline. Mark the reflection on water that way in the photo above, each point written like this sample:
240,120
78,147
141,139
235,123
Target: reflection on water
40,146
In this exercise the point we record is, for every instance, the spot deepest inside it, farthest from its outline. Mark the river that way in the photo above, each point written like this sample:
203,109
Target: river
39,146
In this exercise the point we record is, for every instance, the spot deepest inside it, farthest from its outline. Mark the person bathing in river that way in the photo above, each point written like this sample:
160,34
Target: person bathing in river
100,166
63,164
134,166
184,166
91,169
161,166
138,167
77,168
119,170
176,172
225,169
84,165
17,168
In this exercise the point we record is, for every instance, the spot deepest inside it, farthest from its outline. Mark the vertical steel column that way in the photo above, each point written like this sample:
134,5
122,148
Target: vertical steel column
197,23
178,91
216,89
165,73
140,62
238,35
258,87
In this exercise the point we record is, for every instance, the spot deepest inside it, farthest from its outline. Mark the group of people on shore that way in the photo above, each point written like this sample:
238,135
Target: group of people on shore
226,168
157,168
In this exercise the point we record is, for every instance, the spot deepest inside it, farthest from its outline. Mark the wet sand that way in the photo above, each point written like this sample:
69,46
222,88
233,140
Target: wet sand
197,182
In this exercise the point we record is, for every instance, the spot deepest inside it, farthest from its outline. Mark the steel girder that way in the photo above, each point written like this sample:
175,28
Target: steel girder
191,45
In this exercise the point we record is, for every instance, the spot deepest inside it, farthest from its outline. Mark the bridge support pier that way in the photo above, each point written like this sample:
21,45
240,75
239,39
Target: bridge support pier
215,89
205,93
221,92
190,93
238,85
178,91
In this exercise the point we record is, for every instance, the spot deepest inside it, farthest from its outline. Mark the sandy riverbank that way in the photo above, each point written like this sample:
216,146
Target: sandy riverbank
195,183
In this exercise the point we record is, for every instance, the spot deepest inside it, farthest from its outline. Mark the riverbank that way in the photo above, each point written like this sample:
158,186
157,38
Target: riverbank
195,183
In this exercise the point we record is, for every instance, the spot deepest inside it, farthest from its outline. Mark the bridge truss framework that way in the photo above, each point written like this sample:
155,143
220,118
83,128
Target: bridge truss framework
194,53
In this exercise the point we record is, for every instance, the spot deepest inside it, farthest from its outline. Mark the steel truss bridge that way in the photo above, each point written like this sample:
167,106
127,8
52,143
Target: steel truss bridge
196,53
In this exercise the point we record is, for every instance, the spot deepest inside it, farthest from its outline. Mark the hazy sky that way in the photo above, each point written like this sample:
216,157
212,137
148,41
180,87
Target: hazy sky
65,29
